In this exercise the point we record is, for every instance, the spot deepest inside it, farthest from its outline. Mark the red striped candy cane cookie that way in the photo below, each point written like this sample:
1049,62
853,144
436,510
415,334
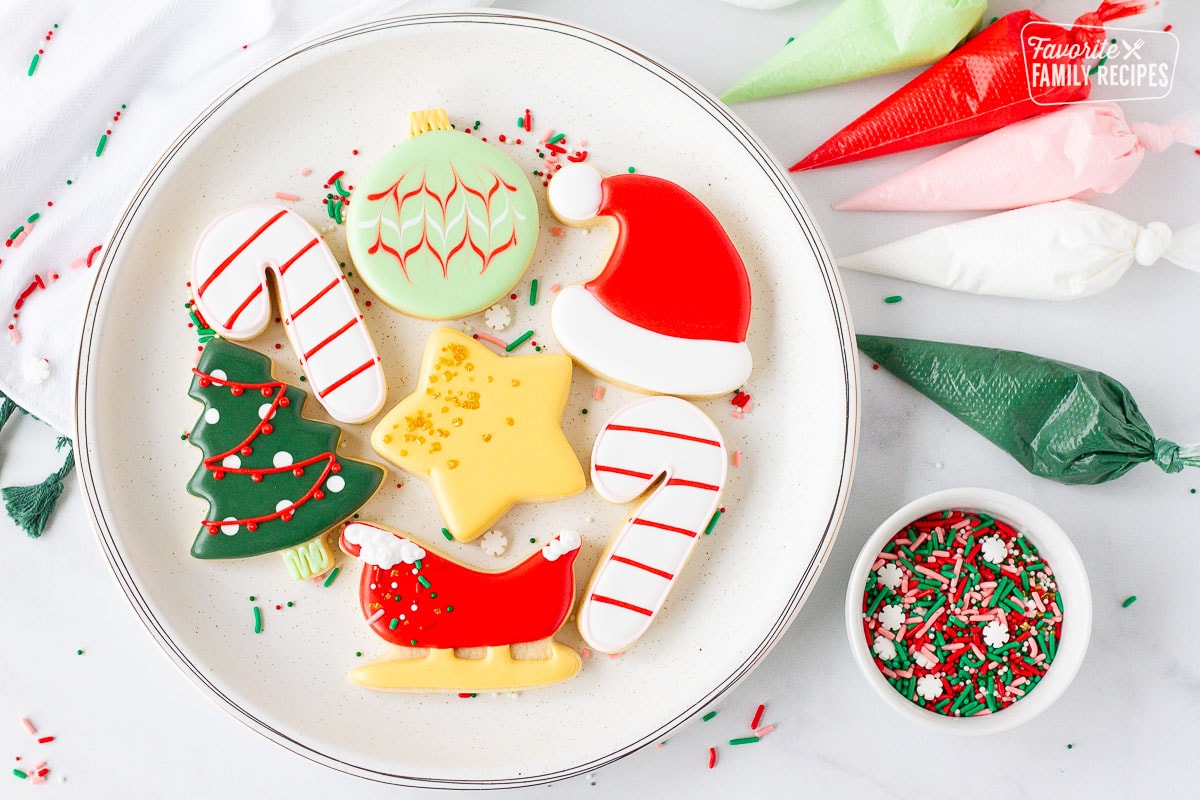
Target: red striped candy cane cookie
229,280
658,436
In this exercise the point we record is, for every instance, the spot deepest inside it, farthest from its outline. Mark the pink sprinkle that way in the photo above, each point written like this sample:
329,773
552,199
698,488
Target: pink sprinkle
21,236
888,672
375,616
14,335
737,458
38,779
748,407
38,766
305,172
736,413
487,337
556,231
613,656
77,263
287,196
598,394
546,134
586,652
29,726
556,288
930,620
658,746
888,556
764,730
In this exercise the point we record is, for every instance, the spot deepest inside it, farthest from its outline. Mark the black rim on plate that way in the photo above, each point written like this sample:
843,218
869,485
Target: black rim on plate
105,525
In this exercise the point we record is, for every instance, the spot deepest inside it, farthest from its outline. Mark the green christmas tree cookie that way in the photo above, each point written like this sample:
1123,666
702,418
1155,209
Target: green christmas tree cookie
444,225
273,479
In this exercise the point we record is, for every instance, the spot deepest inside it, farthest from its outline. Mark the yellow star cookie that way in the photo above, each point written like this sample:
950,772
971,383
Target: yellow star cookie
484,430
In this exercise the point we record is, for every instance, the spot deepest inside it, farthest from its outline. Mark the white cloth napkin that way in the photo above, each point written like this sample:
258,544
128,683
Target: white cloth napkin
158,63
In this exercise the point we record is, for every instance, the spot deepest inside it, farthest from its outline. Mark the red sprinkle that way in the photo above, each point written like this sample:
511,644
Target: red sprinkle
758,715
712,757
46,740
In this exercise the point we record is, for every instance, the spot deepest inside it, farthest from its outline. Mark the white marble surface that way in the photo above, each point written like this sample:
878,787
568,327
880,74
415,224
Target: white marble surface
130,726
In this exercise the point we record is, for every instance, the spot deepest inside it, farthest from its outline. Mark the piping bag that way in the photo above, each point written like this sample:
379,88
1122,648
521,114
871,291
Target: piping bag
1078,151
976,89
1056,251
861,38
1062,422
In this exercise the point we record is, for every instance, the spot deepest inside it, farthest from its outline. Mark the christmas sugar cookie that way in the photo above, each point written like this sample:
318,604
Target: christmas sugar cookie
669,311
413,596
229,280
657,438
444,225
272,479
483,430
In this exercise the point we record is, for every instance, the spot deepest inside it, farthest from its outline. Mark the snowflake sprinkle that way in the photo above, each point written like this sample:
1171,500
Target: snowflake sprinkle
892,617
494,543
994,550
929,687
498,317
995,633
884,648
890,576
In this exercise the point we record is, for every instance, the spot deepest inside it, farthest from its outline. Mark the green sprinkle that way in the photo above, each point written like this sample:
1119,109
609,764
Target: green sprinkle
789,41
337,211
744,740
450,608
302,378
413,642
520,340
332,576
448,535
632,170
69,182
421,579
358,653
251,598
712,523
893,299
20,774
433,595
1070,746
1129,601
32,66
533,292
708,716
257,620
583,411
532,540
33,217
1193,490
340,189
78,652
102,143
556,138
476,125
290,604
17,232
393,624
418,564
521,123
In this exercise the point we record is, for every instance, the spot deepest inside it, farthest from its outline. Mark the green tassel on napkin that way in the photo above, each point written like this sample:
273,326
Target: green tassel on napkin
1060,421
30,506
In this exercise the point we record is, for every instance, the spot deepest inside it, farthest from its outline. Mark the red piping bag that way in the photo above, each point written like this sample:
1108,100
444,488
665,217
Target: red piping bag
978,88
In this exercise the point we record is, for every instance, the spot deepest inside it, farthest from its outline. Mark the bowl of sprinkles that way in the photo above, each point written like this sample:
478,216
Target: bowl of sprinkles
969,610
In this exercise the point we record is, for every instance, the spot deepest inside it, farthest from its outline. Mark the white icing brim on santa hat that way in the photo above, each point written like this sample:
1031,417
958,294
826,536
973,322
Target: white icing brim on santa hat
628,354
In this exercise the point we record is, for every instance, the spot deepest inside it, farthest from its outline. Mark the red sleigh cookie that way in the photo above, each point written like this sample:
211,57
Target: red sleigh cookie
413,596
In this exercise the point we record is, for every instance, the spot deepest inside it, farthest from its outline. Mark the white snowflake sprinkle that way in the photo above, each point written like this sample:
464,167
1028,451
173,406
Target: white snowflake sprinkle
892,617
994,549
884,648
494,543
36,371
995,633
890,576
922,660
498,317
929,687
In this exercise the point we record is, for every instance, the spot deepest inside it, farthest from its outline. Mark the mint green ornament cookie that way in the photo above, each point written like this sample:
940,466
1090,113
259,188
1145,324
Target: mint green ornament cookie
444,225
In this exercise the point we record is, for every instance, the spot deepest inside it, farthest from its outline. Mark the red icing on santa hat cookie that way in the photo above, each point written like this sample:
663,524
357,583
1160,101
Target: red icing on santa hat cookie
668,313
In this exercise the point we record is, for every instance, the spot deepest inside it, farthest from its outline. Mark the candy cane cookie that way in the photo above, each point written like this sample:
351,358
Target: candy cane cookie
657,437
229,280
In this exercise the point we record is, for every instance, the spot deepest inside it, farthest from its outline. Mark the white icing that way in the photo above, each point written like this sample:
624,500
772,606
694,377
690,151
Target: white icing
212,416
264,410
283,505
381,548
230,530
626,353
565,542
282,459
231,461
219,374
609,628
36,370
1052,251
574,193
242,284
335,483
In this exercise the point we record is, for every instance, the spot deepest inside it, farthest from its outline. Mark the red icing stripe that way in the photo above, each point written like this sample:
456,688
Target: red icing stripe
221,267
331,337
237,312
612,601
284,267
619,471
660,573
694,484
348,376
318,296
664,527
658,432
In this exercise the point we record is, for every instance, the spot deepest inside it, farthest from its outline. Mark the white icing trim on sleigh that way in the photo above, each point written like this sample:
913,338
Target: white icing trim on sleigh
381,548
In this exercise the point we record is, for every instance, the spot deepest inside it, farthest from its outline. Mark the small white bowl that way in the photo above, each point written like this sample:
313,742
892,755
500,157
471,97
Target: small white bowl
1057,551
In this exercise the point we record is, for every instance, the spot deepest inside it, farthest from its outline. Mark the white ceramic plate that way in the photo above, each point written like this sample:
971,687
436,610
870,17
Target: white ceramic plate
353,90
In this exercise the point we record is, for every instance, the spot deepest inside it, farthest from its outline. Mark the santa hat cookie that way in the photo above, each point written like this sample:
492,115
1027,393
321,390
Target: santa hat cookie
668,313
